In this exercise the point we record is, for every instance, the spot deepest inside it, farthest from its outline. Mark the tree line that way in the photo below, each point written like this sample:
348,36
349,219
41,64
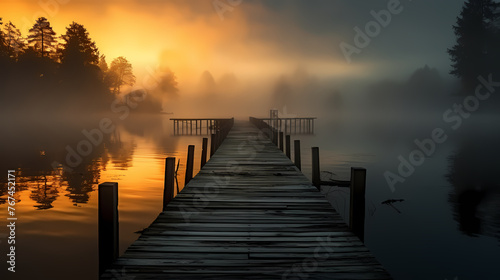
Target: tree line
44,71
477,49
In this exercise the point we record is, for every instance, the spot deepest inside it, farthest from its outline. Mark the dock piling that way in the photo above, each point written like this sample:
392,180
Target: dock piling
288,149
189,165
357,206
316,179
281,140
296,146
204,148
108,224
212,144
168,184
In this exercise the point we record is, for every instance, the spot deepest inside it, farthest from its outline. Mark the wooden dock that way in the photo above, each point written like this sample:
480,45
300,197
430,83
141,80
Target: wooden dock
248,214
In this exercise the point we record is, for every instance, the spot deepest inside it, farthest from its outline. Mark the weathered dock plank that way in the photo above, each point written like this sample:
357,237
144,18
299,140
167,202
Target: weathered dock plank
248,214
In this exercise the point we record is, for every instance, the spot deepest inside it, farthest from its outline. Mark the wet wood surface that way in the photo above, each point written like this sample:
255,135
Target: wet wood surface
248,214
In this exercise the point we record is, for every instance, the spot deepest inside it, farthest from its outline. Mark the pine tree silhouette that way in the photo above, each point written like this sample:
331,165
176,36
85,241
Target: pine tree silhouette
475,47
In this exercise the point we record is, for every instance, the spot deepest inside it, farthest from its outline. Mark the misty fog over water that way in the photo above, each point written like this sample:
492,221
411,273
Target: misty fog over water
453,194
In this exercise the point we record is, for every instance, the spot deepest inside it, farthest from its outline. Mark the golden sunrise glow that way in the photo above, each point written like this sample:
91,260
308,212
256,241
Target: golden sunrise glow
186,38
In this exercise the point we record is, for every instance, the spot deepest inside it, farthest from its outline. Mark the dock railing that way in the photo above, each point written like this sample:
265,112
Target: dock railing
199,126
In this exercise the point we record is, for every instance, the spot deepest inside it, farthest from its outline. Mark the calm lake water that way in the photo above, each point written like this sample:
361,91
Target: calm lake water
448,225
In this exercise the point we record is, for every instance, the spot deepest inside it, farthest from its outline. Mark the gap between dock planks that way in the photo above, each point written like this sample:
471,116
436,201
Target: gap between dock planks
248,214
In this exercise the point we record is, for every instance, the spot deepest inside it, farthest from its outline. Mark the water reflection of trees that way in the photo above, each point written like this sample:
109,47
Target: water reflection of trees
81,183
44,191
4,189
155,128
120,153
33,150
475,197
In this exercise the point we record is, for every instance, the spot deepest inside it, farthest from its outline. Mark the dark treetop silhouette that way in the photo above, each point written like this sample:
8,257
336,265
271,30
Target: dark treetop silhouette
47,74
477,30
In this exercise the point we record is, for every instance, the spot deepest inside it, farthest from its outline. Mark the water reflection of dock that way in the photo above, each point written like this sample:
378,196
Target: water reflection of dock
248,214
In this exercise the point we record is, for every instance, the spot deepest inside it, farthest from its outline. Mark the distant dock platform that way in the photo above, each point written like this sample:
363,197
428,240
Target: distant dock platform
196,126
292,126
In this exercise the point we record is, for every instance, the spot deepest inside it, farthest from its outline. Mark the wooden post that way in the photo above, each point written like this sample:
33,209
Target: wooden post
219,139
189,165
108,224
168,183
296,145
217,135
221,134
316,179
204,148
212,144
275,136
357,206
288,149
281,140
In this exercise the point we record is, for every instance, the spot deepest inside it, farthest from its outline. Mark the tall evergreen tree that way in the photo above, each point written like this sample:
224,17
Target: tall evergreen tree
3,42
15,42
77,47
4,61
475,48
42,38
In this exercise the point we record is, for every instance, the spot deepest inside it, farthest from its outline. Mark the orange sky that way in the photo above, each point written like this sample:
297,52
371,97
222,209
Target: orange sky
188,37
